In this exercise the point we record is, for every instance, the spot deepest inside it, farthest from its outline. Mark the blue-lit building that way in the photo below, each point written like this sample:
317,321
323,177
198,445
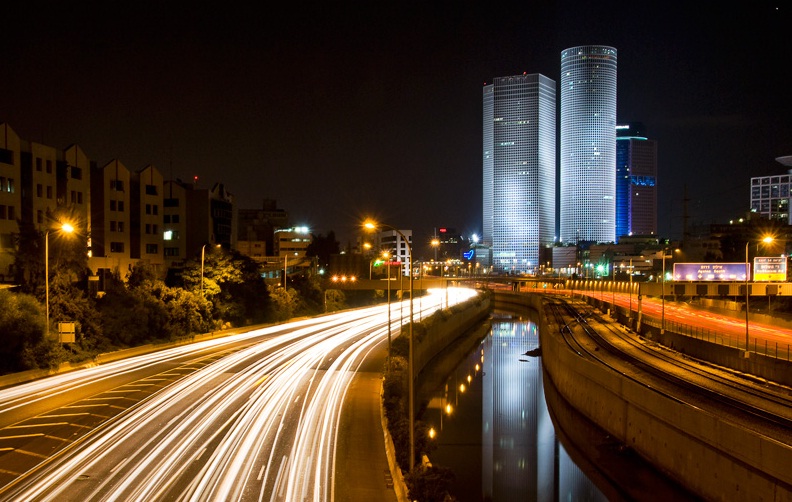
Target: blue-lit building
588,144
519,166
636,181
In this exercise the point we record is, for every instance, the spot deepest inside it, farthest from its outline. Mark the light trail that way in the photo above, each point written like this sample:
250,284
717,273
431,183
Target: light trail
259,423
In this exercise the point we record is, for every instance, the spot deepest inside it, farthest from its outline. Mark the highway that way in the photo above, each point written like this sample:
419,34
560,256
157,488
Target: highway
729,328
251,416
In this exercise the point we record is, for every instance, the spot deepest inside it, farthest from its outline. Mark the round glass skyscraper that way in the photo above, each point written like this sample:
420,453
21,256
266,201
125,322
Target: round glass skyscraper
588,144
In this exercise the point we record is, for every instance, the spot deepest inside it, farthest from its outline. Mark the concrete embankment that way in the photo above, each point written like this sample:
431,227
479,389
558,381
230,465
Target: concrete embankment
710,454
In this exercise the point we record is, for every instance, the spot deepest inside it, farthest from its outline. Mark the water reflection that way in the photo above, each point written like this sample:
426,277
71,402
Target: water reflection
494,428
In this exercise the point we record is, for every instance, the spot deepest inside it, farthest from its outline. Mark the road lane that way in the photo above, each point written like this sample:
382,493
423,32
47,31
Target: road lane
258,422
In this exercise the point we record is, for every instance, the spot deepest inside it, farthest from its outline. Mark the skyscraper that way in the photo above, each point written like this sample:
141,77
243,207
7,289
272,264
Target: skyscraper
519,170
588,144
636,182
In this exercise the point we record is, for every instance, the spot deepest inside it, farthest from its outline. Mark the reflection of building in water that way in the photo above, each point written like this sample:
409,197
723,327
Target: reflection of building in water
521,459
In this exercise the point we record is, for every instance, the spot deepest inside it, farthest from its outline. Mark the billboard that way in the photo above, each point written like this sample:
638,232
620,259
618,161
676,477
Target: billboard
710,271
770,268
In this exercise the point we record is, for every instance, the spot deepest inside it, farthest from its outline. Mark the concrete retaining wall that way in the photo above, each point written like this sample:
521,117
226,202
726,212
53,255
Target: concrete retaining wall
447,329
714,458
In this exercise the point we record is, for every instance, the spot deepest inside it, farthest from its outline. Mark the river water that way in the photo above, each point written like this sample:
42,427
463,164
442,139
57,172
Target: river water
498,435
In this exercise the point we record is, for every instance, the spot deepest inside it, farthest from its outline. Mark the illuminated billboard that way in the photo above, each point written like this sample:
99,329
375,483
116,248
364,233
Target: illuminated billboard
709,271
770,268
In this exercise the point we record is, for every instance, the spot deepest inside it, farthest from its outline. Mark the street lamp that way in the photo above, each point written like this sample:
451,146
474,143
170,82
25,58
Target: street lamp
203,255
64,227
767,240
387,256
662,315
371,226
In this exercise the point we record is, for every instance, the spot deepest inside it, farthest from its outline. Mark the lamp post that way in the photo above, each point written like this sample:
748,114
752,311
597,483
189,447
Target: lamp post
766,240
387,256
372,227
203,255
662,296
65,227
629,314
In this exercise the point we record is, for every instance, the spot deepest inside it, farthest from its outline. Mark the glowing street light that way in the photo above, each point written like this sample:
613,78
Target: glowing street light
68,229
371,226
766,240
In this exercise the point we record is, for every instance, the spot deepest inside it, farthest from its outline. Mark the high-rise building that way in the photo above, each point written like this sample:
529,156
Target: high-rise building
10,197
588,144
770,195
519,170
636,182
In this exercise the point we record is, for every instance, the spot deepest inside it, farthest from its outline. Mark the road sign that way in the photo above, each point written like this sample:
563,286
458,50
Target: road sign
770,268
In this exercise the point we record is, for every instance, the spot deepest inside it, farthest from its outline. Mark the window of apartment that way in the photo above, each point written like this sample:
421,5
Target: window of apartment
39,190
152,248
151,189
148,228
11,213
175,218
3,212
155,228
120,226
38,164
10,185
171,251
113,205
79,197
171,203
155,209
113,226
148,208
116,247
49,167
2,184
49,192
6,156
76,172
121,205
117,185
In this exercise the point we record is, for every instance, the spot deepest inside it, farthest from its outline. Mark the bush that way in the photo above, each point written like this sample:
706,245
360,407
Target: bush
22,331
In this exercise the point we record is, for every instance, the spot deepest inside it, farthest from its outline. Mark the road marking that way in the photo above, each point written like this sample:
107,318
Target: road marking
22,436
32,454
26,426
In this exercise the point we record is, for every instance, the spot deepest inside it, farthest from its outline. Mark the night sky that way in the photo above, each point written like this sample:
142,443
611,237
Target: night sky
342,110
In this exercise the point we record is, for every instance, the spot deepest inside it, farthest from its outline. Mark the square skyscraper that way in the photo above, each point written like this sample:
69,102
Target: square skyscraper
519,164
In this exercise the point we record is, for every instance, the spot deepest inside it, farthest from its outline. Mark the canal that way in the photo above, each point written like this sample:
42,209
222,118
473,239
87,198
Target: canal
507,436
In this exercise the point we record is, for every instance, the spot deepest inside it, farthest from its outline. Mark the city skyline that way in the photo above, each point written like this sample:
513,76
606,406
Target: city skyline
341,113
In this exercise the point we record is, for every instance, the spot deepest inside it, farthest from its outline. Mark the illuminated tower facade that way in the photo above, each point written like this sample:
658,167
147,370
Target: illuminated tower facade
519,170
588,144
636,182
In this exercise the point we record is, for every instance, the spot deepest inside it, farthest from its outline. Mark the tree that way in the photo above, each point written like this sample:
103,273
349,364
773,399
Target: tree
322,247
284,302
22,330
233,283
